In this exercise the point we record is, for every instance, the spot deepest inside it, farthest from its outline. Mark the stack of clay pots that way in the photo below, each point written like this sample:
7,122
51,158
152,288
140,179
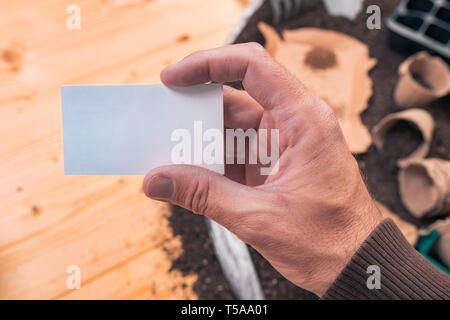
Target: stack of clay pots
424,183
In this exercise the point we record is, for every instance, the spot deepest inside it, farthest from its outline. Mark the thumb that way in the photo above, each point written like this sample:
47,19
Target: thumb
205,192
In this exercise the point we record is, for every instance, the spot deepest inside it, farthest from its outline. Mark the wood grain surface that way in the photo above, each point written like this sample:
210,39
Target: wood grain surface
120,240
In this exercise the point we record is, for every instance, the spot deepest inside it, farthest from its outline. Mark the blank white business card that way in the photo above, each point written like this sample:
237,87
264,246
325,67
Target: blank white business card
129,129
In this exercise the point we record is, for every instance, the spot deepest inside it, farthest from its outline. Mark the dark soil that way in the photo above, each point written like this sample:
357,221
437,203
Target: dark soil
199,258
401,140
319,58
198,255
379,169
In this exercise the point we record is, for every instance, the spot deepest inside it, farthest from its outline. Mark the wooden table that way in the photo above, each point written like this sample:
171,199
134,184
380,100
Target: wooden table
120,240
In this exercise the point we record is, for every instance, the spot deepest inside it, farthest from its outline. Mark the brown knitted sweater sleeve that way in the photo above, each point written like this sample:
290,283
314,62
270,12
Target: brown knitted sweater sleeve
404,273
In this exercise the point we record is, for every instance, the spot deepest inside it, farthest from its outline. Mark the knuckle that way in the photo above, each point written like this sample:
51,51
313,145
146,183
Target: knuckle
198,197
329,114
331,123
322,115
256,49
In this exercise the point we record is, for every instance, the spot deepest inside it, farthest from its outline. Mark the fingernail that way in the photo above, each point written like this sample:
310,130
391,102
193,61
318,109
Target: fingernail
160,188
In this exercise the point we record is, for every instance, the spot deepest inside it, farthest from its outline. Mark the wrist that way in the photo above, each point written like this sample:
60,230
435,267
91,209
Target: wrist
351,225
363,219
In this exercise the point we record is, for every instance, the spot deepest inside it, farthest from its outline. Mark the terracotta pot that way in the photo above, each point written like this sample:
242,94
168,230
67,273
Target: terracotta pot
423,79
425,187
419,118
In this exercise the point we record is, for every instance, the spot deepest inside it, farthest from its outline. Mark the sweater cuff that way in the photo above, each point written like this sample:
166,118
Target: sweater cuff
404,274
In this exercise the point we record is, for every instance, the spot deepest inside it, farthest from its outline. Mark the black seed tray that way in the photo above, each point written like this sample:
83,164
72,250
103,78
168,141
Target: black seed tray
421,25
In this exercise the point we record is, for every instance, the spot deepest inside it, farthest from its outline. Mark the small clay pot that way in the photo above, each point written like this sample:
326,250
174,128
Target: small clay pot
419,118
425,187
423,79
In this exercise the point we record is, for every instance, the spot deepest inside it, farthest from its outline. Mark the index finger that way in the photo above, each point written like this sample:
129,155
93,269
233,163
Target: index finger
263,78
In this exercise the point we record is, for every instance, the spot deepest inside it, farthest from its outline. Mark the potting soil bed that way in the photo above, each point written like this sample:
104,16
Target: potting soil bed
379,169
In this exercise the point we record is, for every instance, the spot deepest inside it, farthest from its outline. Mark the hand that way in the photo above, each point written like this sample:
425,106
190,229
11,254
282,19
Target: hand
310,217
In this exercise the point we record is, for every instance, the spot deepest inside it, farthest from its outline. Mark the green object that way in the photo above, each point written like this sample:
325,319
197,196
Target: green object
425,244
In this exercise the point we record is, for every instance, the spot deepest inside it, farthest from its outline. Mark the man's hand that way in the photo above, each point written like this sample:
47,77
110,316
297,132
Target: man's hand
310,217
